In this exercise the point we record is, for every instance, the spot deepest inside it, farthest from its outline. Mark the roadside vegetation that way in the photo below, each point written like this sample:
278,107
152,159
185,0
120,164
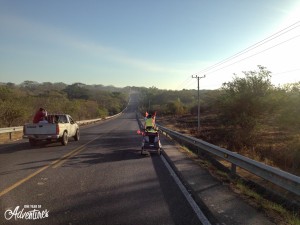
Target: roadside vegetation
247,115
18,103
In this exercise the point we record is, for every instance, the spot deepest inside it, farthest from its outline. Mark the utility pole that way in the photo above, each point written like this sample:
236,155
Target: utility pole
198,79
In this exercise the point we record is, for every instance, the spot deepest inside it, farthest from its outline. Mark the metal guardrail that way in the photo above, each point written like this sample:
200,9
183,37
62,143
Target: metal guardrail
81,122
11,130
281,178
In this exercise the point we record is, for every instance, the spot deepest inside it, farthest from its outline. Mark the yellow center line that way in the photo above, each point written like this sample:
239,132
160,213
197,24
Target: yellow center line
60,162
22,181
55,164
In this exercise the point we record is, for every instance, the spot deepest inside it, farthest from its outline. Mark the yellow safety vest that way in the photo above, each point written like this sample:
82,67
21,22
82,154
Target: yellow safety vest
149,123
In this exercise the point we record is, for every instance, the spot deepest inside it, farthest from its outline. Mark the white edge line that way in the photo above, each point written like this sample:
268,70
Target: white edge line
191,201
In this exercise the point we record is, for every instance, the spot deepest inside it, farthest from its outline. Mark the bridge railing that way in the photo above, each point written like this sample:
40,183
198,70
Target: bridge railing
276,176
11,130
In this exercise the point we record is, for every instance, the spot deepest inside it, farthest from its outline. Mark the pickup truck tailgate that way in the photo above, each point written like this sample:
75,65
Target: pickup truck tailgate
40,128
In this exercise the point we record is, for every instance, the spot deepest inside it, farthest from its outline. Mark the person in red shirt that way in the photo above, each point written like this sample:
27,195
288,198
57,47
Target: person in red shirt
39,115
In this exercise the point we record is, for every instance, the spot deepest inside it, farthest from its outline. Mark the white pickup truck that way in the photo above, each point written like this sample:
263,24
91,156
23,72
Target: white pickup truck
56,127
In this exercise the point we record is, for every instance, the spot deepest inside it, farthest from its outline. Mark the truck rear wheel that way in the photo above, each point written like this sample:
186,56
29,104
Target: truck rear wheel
64,138
77,135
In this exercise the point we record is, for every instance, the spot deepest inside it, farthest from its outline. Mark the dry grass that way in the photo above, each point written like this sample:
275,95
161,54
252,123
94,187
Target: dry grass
6,137
273,146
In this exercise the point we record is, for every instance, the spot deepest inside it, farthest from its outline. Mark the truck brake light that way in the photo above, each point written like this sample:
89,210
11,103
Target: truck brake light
57,129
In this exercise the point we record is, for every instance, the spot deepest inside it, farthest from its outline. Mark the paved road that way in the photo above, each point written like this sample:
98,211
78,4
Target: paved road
102,179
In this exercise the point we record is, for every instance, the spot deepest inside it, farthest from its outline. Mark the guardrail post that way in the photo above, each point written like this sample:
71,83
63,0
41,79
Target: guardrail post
233,169
10,136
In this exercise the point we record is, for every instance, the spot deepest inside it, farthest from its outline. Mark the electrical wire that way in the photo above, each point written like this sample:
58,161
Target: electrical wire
184,83
289,71
254,54
252,47
256,45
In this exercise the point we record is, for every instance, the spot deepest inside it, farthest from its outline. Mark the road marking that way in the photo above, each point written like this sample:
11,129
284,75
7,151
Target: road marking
22,181
54,163
64,159
191,201
61,160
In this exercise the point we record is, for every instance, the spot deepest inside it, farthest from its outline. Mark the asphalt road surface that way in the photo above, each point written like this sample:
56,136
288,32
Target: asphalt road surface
101,179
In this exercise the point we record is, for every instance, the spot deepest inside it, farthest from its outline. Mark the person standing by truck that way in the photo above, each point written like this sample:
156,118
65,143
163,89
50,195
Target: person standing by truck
39,115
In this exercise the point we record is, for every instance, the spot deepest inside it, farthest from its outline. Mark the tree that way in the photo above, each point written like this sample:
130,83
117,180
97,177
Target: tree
11,112
289,115
77,91
5,93
176,107
243,102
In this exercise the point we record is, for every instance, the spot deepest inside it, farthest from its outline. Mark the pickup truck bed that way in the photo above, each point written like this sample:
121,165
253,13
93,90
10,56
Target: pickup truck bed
57,127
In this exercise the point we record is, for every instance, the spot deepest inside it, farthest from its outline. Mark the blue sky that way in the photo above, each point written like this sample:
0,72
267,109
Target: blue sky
146,43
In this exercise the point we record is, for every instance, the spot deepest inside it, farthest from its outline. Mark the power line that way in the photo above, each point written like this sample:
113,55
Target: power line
252,47
190,85
254,54
256,45
184,83
289,71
